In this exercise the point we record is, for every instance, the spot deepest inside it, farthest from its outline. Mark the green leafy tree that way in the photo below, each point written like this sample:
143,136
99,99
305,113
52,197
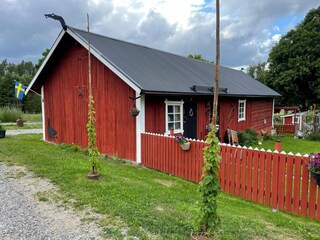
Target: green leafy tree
22,72
198,57
41,60
294,63
259,72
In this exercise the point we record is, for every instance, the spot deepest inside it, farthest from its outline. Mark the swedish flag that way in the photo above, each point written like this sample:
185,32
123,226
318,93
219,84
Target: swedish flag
19,90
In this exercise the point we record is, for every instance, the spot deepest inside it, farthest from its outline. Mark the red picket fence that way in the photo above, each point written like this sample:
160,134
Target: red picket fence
285,129
278,180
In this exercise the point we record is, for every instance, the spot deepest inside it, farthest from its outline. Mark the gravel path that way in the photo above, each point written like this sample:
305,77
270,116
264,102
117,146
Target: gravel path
23,131
24,216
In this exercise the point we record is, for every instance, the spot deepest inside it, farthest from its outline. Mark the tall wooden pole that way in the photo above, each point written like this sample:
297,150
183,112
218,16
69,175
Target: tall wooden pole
217,70
89,59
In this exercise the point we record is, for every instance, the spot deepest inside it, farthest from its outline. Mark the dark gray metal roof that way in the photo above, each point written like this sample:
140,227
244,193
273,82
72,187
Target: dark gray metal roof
155,71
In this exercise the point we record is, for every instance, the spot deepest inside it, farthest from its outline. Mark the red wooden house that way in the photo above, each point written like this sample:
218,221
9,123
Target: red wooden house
171,92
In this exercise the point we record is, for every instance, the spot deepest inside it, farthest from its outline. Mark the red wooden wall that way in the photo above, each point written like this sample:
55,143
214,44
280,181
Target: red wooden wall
66,99
256,111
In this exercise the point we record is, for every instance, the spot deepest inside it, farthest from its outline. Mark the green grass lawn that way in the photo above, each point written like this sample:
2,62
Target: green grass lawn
289,144
150,204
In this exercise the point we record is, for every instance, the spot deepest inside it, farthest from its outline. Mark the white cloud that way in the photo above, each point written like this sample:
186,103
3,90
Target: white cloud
249,28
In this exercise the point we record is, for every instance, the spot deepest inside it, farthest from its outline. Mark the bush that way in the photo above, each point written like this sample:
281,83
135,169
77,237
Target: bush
248,138
10,114
315,136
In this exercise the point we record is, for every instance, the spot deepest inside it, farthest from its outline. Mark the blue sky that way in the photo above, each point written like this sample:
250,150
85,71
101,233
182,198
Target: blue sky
249,29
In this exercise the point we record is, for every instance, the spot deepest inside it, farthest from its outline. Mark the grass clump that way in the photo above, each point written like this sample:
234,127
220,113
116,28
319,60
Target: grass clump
315,136
143,203
32,117
9,114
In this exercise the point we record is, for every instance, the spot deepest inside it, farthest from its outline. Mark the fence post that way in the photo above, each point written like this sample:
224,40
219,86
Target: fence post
278,145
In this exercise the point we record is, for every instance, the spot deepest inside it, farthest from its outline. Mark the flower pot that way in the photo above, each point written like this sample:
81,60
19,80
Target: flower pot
316,178
194,236
93,176
134,112
185,146
2,133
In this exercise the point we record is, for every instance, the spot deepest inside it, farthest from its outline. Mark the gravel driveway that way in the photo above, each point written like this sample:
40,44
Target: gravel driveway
24,216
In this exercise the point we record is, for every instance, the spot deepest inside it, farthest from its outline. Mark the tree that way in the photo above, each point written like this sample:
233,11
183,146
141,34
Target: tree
199,57
40,61
259,72
294,63
22,72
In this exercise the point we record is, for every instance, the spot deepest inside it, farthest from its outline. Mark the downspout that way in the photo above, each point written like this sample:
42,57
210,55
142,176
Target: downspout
43,115
273,112
140,124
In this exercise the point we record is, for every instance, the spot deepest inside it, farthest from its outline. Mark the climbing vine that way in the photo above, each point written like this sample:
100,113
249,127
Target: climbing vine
92,146
209,186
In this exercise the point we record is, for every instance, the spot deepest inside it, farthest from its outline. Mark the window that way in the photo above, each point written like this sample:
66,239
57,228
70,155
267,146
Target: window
295,120
242,110
174,116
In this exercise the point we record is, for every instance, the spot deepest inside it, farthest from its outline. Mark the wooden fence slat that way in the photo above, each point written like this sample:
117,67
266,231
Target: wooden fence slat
289,183
262,157
250,166
222,168
228,168
297,187
312,198
268,171
244,173
255,181
238,171
304,192
275,180
281,185
233,169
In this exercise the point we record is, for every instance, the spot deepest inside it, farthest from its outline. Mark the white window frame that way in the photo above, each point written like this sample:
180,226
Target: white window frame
242,113
174,103
296,119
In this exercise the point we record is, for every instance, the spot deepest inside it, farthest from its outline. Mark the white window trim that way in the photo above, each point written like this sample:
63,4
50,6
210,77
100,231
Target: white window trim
244,101
175,103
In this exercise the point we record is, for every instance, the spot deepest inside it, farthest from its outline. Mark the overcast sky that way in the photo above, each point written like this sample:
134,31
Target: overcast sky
249,28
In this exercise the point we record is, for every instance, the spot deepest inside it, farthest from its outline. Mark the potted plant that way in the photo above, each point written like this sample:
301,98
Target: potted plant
314,167
2,132
184,143
134,111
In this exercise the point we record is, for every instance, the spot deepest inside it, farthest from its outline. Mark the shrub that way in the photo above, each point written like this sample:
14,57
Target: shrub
248,137
315,136
9,114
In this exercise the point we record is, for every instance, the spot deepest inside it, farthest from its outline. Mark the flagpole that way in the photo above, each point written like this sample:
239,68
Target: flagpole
35,92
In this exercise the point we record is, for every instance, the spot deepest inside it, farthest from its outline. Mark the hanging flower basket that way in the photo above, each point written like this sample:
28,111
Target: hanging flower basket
316,178
184,143
314,167
134,111
185,146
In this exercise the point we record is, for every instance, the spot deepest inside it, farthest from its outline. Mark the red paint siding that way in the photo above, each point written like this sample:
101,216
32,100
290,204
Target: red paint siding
155,114
202,118
256,111
66,102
